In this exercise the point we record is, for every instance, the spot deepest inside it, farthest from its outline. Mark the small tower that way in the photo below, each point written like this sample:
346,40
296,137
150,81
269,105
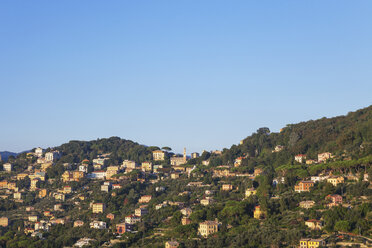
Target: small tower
184,155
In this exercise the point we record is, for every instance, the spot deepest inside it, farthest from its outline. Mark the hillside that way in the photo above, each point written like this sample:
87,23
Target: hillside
349,136
5,155
119,149
261,196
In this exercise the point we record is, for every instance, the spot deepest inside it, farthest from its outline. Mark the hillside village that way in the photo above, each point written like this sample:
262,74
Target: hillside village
117,193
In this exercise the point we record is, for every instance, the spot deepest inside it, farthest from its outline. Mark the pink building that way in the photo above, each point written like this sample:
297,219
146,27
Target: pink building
334,199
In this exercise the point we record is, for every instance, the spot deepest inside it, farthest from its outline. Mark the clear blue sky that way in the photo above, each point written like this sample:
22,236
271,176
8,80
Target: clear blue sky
200,74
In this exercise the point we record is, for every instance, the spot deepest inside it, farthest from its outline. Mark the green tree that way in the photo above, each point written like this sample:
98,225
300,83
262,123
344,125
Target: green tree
342,225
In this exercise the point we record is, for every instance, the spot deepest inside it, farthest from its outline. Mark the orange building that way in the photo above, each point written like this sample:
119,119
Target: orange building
123,228
334,200
69,176
145,199
185,221
42,193
304,186
77,175
257,171
3,184
110,216
4,221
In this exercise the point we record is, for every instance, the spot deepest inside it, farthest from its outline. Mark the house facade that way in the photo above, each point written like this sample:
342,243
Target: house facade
158,155
300,158
312,243
334,200
335,180
207,228
123,228
304,186
307,204
322,157
98,208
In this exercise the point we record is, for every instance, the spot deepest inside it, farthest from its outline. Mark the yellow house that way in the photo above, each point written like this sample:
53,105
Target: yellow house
77,175
258,213
33,218
67,189
17,195
145,199
175,175
227,187
206,228
312,243
60,197
179,168
66,176
29,230
21,176
111,170
33,185
98,208
206,201
45,166
4,221
141,211
12,186
171,244
335,180
310,161
222,173
146,166
38,174
303,243
238,161
158,155
249,192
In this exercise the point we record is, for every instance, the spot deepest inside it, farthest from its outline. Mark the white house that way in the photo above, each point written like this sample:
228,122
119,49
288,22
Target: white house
97,175
7,167
51,156
83,168
132,219
129,164
98,224
39,152
300,158
83,242
106,187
